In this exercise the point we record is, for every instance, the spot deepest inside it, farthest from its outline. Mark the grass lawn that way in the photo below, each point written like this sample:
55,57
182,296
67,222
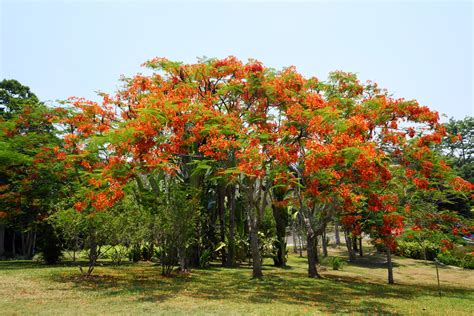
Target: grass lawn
27,287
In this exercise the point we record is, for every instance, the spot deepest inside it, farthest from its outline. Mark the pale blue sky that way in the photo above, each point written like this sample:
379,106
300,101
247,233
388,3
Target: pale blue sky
421,50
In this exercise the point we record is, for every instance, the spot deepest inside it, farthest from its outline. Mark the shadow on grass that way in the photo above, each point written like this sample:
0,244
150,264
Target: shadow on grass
333,294
336,293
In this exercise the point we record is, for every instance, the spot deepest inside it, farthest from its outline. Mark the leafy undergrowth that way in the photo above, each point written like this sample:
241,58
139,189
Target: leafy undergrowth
27,288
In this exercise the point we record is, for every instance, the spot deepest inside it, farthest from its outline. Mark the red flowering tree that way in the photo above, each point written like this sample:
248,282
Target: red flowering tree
334,149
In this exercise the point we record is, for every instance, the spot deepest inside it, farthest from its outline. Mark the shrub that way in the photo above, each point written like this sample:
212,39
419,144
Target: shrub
417,249
205,258
336,263
457,257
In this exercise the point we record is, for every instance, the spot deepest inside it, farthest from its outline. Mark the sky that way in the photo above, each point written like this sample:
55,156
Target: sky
419,50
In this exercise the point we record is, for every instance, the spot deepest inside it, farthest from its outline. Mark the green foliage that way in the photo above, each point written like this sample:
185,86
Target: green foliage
417,249
13,96
205,258
336,263
70,225
458,146
176,219
457,257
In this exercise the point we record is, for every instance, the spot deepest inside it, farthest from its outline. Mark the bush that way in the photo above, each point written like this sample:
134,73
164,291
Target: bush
457,257
205,258
336,263
417,249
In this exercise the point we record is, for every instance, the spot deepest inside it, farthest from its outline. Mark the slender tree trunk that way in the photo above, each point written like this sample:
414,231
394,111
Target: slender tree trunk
311,250
295,239
350,250
336,233
221,212
324,244
231,250
33,249
281,220
361,250
389,266
316,249
27,244
93,254
255,248
354,243
2,239
300,238
182,259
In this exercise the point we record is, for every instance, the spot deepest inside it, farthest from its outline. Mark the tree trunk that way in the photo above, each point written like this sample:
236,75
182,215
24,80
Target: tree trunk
316,249
300,238
336,233
231,248
255,249
310,248
389,266
281,219
361,250
350,250
2,239
295,239
27,244
182,259
354,243
93,254
221,212
324,244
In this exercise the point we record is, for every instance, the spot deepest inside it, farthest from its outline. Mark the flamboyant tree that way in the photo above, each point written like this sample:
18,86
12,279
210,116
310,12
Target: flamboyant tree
333,149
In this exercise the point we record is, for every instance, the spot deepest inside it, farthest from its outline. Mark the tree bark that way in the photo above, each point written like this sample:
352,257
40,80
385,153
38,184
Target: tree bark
27,244
281,219
93,254
316,249
350,250
354,243
361,250
182,259
389,266
295,239
300,239
311,251
324,243
255,248
336,233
